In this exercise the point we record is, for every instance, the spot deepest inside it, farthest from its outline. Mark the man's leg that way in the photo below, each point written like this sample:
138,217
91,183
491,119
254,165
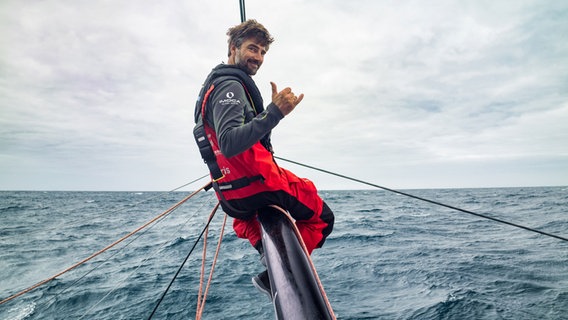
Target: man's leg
315,230
314,218
248,229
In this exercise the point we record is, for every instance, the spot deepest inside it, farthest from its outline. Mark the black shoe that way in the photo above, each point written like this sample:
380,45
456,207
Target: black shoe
262,283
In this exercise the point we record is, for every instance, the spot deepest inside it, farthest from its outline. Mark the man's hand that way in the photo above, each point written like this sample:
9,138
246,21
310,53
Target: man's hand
285,100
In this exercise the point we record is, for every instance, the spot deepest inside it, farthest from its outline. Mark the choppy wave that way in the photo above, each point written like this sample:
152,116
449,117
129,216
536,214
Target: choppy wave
389,257
21,312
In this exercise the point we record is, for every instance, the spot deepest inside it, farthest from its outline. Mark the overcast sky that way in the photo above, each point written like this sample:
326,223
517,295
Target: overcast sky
99,95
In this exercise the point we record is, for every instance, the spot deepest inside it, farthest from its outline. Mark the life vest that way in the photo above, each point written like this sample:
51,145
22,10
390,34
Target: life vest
248,173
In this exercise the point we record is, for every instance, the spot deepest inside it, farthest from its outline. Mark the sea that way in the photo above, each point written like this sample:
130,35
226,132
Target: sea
390,256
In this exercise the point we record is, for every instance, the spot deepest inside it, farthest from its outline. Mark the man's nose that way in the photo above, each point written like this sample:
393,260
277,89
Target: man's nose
258,56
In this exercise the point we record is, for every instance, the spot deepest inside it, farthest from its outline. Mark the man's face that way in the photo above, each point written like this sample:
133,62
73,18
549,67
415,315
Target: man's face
249,56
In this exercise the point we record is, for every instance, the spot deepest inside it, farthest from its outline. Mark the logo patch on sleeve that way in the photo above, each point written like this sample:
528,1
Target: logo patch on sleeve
229,100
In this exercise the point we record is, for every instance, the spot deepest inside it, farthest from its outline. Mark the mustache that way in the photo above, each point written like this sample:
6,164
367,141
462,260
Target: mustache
257,62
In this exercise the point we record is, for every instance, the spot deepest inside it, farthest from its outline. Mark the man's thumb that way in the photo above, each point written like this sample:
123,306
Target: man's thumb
274,89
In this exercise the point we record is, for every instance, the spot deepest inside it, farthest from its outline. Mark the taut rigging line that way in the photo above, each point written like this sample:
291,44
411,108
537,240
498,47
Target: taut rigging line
184,261
74,266
426,200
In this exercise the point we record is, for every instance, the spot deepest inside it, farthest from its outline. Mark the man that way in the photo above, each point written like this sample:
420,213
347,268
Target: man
233,134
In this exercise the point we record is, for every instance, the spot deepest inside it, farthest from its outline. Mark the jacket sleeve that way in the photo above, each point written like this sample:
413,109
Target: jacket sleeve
234,121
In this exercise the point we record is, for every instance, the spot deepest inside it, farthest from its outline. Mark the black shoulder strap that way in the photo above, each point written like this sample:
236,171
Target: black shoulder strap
231,71
219,74
225,72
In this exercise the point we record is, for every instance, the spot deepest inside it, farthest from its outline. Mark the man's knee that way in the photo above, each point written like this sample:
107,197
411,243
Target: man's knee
328,217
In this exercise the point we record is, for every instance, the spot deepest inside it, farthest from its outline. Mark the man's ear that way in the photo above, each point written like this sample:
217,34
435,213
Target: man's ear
233,50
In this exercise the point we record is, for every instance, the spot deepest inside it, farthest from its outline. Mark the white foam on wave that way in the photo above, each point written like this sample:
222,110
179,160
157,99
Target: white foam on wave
21,312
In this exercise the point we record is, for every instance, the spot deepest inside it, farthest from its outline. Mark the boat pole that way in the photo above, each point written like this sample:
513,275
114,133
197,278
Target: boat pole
243,14
297,292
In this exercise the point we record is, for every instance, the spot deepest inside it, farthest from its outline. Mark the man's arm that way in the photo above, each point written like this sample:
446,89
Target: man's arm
229,104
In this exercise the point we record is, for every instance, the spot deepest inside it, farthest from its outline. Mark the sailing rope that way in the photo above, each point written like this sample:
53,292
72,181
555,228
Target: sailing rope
427,200
146,257
202,298
161,215
185,260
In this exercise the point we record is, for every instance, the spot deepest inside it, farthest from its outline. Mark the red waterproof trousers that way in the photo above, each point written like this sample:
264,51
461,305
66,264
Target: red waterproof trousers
314,218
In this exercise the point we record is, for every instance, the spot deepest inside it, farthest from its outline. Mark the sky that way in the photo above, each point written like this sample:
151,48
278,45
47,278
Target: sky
99,95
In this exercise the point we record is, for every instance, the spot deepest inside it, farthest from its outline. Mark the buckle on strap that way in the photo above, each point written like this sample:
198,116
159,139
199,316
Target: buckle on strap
206,151
240,183
224,200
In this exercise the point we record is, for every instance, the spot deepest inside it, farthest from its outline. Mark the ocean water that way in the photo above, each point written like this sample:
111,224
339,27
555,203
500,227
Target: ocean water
389,257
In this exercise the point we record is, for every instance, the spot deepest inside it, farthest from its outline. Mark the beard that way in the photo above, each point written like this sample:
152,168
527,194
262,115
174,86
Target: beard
250,66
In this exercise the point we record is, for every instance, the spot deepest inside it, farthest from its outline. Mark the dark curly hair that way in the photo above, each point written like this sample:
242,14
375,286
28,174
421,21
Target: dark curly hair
249,29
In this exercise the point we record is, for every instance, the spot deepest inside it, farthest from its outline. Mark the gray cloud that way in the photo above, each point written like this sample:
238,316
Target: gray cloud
99,95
